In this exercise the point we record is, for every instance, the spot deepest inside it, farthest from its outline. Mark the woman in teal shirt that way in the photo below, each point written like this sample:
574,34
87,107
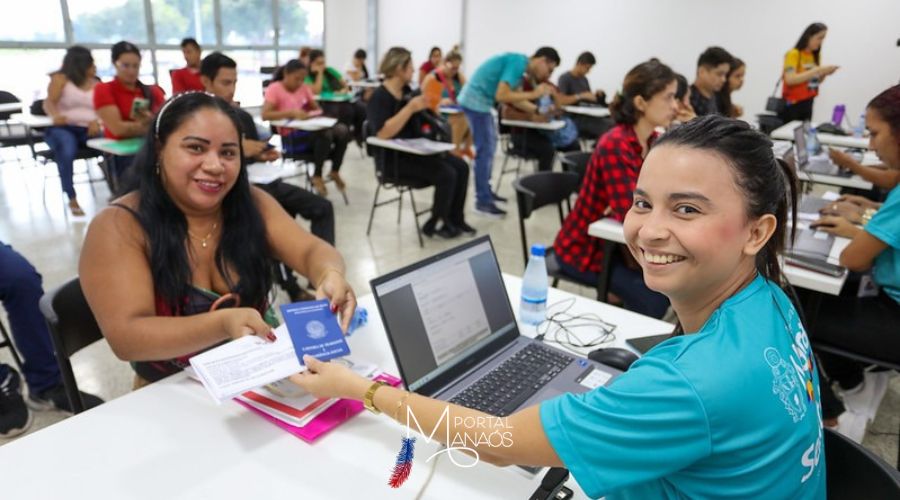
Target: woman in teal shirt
728,409
867,325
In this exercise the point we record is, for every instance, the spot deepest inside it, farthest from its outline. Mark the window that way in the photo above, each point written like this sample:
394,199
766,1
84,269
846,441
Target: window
33,67
247,22
41,21
174,20
301,22
249,90
108,21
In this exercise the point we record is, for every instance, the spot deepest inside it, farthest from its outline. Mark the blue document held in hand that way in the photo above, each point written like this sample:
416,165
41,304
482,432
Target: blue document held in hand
314,330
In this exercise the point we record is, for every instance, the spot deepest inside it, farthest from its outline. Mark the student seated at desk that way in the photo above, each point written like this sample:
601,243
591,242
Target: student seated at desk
115,102
574,89
685,111
219,75
494,81
70,103
881,176
864,325
188,77
394,114
712,71
647,101
287,97
734,80
356,69
326,81
707,225
540,144
432,63
441,88
183,262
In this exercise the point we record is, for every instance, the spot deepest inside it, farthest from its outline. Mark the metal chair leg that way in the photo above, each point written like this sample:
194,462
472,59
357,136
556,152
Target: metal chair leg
5,341
372,213
412,200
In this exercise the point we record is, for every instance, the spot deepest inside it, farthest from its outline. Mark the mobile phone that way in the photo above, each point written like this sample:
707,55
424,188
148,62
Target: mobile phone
138,106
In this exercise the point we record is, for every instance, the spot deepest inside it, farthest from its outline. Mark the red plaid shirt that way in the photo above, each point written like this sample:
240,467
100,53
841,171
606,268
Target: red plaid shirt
608,182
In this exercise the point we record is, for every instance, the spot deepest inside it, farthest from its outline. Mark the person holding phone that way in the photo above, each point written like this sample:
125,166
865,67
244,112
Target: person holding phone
124,104
803,74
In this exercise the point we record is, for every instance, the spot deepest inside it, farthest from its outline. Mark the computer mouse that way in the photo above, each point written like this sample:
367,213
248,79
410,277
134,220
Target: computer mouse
614,357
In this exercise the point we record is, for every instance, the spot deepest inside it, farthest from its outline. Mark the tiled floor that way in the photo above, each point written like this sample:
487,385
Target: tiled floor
40,229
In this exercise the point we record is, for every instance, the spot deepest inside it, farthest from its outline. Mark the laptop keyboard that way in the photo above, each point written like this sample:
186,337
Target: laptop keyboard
502,390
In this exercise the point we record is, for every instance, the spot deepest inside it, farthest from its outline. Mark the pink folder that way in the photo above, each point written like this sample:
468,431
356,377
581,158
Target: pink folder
334,416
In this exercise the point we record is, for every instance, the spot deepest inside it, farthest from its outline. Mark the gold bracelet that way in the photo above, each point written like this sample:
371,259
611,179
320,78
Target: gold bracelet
400,404
324,274
369,398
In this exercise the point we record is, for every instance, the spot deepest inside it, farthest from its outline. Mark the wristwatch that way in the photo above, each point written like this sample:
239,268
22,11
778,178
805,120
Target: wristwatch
368,399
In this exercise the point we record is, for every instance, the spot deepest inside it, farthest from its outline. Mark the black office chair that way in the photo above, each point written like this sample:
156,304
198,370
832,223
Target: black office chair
852,471
388,179
13,135
305,158
72,328
538,190
576,162
818,345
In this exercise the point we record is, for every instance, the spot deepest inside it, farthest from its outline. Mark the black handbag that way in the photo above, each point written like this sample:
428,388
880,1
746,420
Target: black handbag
774,103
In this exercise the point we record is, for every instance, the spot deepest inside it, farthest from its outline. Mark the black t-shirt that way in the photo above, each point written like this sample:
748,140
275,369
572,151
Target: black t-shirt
570,84
703,105
382,106
248,126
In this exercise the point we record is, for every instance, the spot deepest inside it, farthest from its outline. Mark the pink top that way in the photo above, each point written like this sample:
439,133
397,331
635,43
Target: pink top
302,99
77,105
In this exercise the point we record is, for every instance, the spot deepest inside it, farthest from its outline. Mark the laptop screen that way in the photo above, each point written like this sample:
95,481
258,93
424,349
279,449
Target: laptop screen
442,313
800,153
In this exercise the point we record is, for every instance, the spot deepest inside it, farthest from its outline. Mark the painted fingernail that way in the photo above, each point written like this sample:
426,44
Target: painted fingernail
271,336
334,308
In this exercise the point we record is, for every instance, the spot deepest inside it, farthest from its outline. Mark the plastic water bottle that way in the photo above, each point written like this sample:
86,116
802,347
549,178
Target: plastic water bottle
860,126
533,307
812,142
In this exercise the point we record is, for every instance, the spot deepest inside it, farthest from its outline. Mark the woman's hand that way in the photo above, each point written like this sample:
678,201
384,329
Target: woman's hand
335,288
417,103
330,380
59,120
299,114
841,159
837,226
242,321
859,200
850,211
93,129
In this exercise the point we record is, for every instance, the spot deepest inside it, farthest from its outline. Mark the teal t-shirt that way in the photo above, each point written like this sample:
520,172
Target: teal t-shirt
731,411
885,225
478,93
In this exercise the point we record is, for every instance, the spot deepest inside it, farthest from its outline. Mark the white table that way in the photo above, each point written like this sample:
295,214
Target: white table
11,106
170,440
32,121
420,146
334,98
786,133
364,84
551,125
854,181
268,172
309,124
593,111
611,230
450,110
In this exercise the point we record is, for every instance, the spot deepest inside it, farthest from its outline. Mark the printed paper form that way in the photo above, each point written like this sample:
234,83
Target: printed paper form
451,311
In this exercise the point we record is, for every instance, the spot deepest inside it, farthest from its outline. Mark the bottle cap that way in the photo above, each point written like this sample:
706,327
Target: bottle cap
538,250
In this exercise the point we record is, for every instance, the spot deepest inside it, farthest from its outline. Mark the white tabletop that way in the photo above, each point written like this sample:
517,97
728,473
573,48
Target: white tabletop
107,145
364,84
170,440
551,125
11,106
33,121
420,146
334,97
854,181
786,133
309,124
266,172
450,110
611,230
594,111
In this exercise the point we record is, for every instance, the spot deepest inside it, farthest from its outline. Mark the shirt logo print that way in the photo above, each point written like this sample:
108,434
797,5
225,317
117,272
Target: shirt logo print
784,385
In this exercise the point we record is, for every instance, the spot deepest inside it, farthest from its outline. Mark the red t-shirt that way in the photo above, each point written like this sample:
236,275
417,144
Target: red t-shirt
608,183
114,93
186,79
